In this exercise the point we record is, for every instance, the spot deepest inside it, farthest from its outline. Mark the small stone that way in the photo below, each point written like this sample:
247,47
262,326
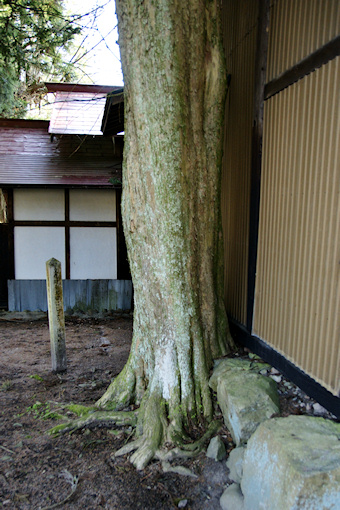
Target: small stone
232,498
263,371
288,385
318,409
274,371
276,378
183,503
216,449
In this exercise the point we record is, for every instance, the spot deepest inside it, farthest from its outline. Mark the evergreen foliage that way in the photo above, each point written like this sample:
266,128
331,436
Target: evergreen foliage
34,36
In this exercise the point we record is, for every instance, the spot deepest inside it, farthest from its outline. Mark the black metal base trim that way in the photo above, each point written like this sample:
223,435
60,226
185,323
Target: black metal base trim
312,388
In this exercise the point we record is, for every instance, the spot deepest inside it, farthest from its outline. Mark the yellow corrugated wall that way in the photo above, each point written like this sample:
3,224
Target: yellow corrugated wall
240,30
297,294
297,29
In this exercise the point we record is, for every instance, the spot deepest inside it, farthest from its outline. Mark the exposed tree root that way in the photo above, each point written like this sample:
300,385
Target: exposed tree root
180,470
160,423
154,433
146,449
95,419
190,450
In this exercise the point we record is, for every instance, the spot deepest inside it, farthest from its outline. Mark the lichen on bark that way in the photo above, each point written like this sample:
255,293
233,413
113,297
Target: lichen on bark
174,86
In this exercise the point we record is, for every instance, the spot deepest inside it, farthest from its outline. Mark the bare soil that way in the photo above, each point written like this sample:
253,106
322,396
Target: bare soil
78,471
38,471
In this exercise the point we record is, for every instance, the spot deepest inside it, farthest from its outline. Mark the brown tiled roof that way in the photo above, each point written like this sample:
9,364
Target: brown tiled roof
30,156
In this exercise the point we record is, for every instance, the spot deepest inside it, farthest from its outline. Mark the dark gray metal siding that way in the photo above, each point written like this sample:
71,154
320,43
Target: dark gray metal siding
79,295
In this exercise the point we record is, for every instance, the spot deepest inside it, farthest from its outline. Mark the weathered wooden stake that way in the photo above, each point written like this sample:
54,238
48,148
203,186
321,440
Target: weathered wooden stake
56,315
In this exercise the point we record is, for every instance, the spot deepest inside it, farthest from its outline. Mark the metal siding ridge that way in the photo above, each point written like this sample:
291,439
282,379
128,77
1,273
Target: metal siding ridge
312,24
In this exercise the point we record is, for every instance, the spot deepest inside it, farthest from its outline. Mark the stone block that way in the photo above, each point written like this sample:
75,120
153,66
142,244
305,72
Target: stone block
246,399
227,365
293,463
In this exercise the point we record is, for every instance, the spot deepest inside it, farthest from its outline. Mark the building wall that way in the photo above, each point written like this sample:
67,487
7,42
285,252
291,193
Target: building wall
297,29
33,246
60,196
297,293
88,230
93,253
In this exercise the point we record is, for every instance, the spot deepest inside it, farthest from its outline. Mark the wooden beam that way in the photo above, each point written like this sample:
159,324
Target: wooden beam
10,216
306,66
256,151
67,235
60,223
123,269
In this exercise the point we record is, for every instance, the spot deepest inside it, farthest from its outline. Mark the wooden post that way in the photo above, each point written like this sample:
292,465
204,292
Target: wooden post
56,315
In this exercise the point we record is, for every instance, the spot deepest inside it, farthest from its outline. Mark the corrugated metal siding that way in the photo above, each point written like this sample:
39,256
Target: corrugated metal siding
297,286
78,295
29,156
297,29
240,30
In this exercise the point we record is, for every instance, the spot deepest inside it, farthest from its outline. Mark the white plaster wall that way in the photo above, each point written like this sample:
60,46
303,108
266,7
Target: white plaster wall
93,205
39,204
93,253
33,246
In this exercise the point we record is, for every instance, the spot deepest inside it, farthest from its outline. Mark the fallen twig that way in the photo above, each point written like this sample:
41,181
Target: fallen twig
74,484
6,449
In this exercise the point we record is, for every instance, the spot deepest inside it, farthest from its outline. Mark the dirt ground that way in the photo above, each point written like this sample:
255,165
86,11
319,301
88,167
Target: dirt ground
78,471
38,471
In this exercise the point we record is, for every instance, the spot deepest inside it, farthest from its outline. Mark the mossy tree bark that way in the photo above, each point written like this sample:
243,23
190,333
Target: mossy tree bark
175,84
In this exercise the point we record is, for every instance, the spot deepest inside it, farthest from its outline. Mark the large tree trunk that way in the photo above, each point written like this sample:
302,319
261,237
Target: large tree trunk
175,84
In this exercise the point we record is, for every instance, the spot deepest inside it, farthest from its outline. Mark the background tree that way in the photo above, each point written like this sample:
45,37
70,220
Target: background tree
34,37
175,85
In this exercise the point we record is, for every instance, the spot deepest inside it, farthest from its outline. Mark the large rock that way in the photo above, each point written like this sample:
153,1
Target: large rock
293,463
246,398
226,365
